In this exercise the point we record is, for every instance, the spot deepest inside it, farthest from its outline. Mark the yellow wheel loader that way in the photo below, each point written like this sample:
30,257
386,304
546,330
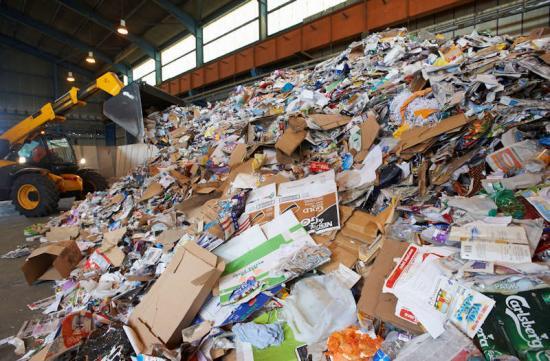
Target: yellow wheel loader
37,167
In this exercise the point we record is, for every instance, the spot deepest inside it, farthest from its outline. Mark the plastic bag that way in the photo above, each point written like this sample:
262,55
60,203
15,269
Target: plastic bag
318,306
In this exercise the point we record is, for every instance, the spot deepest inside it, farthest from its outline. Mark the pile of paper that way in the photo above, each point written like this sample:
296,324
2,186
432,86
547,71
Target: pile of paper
409,171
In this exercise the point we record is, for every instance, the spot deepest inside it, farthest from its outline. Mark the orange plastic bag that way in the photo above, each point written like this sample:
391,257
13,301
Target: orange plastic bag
351,344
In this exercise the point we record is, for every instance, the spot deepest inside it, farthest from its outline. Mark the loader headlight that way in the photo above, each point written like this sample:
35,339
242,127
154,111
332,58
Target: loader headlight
22,160
82,160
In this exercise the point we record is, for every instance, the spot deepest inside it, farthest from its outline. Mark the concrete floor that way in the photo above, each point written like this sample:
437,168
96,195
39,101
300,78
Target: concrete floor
15,293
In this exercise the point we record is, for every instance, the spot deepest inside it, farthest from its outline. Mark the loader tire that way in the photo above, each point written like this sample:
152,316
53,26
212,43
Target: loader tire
93,181
34,195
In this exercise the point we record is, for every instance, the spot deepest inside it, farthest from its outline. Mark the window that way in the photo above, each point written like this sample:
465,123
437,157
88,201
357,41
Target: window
232,31
145,71
230,21
232,41
178,58
179,66
284,14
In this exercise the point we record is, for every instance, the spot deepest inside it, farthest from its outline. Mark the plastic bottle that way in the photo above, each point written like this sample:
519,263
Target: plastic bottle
390,347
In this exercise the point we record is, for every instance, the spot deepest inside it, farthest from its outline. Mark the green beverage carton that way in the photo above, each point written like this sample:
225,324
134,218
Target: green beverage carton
518,325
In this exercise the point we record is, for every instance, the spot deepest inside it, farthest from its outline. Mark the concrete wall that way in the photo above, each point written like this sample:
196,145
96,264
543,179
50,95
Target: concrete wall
115,162
27,82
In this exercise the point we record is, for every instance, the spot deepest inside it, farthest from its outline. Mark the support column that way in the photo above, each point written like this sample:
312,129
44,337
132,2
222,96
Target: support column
262,4
158,68
199,46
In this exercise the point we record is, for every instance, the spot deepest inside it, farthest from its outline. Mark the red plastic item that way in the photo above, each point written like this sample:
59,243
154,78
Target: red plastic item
318,167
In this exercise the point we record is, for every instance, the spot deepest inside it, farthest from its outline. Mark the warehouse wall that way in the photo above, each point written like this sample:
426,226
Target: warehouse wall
27,82
512,17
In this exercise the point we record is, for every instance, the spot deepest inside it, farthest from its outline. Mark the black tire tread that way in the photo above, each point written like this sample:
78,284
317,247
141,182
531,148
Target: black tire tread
93,181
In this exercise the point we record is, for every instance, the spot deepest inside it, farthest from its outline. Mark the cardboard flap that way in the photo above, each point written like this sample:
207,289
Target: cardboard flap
204,278
290,140
52,249
153,190
171,236
382,305
68,259
51,275
37,266
208,257
369,132
113,237
62,233
238,155
329,121
419,135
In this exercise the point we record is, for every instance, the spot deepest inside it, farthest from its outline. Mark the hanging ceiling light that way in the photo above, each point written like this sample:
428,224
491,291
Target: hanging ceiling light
70,77
122,29
90,58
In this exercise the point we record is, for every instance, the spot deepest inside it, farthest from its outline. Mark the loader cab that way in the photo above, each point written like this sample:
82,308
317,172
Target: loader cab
50,151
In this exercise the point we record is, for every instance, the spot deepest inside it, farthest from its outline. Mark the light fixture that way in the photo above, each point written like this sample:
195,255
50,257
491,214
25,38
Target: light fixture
82,161
90,58
122,27
70,77
22,160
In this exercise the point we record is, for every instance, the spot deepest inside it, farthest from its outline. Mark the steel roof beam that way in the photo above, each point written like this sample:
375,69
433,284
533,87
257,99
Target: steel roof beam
89,13
182,16
188,22
41,54
51,32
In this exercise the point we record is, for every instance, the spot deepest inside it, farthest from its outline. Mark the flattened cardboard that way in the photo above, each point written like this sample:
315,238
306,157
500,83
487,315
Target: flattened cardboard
170,236
369,132
52,262
109,246
153,190
313,200
57,234
176,297
238,154
382,305
290,140
261,204
418,135
329,121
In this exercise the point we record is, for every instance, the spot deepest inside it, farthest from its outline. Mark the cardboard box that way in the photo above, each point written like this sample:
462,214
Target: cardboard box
52,262
175,299
290,140
314,201
253,257
382,305
265,122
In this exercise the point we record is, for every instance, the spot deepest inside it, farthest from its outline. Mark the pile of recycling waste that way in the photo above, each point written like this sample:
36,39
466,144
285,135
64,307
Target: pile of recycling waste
391,203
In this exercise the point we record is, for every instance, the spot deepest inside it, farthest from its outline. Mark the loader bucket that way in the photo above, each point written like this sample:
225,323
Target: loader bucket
127,109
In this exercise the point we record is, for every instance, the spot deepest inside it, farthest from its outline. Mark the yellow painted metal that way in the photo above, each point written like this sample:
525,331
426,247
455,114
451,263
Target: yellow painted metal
67,182
4,163
70,183
18,132
24,196
110,83
73,94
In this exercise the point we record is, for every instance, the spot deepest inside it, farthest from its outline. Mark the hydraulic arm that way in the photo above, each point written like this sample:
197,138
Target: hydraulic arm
56,111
